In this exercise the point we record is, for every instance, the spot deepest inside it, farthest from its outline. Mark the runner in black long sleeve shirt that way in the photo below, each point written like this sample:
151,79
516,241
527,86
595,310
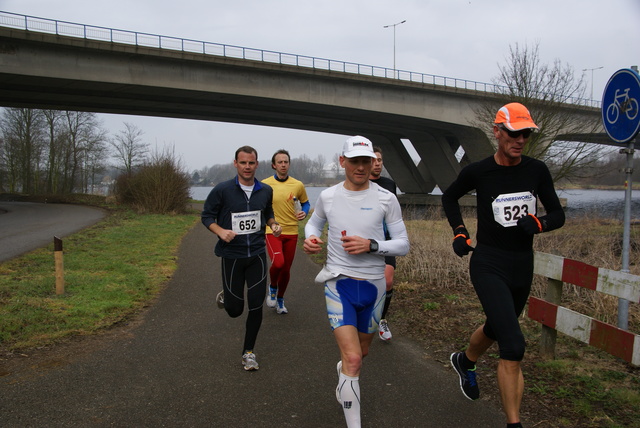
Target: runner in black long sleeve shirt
508,187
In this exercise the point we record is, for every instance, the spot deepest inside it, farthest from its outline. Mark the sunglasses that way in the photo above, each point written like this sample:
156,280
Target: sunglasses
526,133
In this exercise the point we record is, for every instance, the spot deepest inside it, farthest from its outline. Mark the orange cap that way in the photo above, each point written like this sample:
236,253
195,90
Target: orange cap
515,116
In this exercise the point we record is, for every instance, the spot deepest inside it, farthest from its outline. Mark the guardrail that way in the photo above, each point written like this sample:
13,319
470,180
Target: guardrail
618,342
91,32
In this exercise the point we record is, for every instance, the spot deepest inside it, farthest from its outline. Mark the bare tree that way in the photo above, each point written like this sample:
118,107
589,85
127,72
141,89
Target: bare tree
546,90
55,155
22,151
131,151
95,160
82,129
335,164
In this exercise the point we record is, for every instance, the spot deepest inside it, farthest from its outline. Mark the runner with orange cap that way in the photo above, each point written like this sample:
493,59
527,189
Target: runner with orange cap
508,187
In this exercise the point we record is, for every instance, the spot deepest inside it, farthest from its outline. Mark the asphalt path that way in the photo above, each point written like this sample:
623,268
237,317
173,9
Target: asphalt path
178,364
26,226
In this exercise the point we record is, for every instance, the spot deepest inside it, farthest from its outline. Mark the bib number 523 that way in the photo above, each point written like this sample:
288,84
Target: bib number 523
510,207
515,212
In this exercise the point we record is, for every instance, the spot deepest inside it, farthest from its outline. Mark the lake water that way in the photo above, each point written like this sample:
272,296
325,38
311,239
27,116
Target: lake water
601,203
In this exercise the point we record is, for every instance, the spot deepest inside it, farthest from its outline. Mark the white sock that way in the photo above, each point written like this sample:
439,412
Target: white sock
348,394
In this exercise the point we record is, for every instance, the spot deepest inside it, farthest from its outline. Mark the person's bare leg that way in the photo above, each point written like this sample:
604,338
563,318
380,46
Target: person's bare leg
511,385
389,273
348,339
478,344
354,346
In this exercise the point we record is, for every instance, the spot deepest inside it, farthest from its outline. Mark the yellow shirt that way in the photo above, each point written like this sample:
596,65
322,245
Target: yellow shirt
283,205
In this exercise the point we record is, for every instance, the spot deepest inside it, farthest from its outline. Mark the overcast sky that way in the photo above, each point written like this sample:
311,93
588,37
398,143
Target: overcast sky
454,38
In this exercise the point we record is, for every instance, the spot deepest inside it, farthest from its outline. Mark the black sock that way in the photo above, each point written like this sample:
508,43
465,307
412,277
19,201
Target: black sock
514,425
467,364
387,302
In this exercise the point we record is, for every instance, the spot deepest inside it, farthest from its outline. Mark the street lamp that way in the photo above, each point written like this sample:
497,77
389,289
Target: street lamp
591,70
394,43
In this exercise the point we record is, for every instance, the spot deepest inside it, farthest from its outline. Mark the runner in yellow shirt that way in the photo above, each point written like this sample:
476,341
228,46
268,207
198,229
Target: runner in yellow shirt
290,205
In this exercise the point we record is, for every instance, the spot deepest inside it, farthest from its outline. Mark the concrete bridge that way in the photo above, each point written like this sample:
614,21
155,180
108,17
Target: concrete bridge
67,66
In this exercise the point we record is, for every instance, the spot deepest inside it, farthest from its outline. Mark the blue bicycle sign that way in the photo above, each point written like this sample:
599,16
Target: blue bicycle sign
622,102
621,106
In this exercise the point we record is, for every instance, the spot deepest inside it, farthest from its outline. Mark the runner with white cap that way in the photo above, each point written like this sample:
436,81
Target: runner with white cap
355,210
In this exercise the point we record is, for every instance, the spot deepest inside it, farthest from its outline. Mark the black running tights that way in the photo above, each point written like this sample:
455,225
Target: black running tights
502,280
253,272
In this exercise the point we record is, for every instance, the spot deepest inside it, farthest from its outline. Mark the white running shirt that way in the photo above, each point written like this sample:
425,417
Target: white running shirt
360,213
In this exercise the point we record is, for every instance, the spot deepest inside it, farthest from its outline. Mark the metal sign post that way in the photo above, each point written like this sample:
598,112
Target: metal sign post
621,120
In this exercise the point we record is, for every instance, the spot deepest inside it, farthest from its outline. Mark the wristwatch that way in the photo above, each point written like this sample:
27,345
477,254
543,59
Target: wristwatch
373,246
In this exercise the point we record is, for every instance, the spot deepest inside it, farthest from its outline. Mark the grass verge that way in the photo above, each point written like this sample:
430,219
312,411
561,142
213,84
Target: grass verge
111,270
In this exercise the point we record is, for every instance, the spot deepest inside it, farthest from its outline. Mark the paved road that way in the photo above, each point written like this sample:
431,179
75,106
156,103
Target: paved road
179,365
25,226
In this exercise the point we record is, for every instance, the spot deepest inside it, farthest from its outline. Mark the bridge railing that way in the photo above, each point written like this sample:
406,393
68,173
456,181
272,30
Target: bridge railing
92,32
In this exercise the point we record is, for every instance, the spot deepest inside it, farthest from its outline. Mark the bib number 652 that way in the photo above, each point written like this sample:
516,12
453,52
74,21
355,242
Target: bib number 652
246,222
247,225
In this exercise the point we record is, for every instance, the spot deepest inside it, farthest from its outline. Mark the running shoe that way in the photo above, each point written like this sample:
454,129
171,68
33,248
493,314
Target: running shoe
280,307
383,330
249,361
468,383
271,298
220,299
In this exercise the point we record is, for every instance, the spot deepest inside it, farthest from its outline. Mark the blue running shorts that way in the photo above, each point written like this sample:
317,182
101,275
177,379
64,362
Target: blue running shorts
355,302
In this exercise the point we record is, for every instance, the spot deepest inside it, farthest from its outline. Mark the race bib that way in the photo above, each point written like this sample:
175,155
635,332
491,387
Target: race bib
507,209
246,222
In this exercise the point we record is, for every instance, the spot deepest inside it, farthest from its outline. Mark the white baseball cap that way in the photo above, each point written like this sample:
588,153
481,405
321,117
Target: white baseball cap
358,146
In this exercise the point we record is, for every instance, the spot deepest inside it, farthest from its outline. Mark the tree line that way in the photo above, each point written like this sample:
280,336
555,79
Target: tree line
65,152
62,152
310,171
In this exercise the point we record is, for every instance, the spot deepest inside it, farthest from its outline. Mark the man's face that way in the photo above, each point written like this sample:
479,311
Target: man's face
282,165
357,170
509,147
376,170
246,164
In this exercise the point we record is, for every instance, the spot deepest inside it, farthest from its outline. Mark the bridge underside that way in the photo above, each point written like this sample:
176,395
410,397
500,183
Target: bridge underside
51,72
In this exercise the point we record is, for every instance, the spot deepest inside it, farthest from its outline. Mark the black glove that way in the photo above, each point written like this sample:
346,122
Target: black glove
530,224
461,241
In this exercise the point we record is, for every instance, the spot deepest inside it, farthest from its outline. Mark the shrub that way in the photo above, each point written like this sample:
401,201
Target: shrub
160,186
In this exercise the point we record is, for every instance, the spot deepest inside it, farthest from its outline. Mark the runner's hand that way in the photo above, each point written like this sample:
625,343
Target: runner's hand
312,245
276,229
462,242
530,224
227,235
355,244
